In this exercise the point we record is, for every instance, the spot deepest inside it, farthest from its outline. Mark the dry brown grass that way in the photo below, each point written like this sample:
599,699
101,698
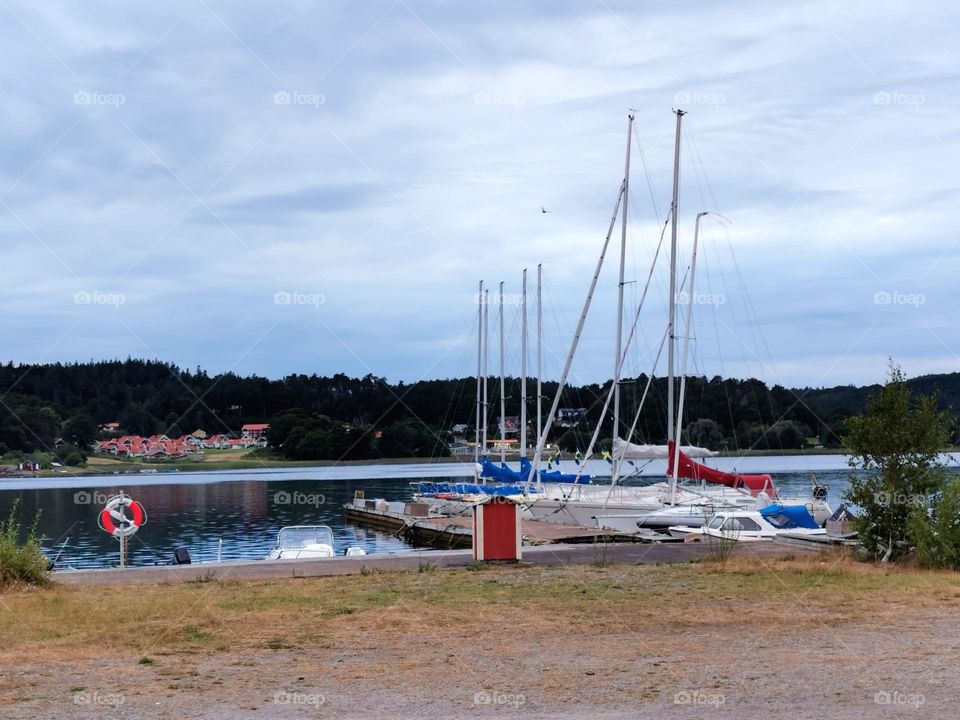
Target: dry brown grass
206,618
615,637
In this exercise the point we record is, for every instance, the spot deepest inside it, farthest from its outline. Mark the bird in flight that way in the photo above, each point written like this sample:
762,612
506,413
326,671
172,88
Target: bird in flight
544,210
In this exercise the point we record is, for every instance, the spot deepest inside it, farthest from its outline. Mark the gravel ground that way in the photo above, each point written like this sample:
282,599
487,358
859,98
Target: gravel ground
847,672
888,653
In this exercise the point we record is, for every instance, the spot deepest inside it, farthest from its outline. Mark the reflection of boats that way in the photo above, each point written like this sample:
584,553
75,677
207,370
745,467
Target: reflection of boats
753,525
303,542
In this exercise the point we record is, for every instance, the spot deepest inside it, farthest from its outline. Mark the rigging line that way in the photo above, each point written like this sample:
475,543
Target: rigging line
646,172
626,350
723,370
696,153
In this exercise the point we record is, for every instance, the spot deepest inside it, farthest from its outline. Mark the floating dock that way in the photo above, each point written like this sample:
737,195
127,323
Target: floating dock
412,522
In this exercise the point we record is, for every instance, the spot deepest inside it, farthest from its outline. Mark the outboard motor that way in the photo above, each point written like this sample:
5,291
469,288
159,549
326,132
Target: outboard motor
181,556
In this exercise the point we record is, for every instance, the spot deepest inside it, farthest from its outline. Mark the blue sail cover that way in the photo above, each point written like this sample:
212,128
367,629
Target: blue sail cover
446,488
789,516
505,474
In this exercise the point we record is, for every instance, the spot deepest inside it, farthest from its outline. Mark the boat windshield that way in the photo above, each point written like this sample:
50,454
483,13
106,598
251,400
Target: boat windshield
299,537
715,522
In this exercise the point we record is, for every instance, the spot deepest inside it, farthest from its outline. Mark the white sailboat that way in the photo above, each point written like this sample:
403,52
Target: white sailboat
666,503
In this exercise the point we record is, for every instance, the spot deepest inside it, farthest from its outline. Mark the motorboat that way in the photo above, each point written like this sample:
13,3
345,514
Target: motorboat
752,525
307,542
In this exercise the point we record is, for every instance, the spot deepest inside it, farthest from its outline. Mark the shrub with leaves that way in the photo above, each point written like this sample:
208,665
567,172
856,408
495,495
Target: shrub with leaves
935,530
21,560
896,445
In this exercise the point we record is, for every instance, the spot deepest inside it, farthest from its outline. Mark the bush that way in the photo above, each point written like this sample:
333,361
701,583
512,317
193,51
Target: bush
935,530
21,562
896,444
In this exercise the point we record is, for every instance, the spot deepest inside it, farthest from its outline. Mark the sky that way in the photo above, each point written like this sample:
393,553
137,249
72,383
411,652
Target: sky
275,188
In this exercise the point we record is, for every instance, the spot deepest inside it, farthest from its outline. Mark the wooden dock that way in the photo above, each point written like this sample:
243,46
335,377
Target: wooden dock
446,532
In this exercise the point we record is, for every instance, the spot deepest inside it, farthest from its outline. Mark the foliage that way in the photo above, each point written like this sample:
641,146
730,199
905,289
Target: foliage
42,402
934,530
573,440
411,438
80,429
895,444
300,435
21,559
705,433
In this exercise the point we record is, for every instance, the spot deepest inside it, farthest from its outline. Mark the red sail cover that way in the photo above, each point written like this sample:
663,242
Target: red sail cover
689,470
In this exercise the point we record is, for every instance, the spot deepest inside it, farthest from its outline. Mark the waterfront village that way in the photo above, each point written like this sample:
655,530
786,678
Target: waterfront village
162,447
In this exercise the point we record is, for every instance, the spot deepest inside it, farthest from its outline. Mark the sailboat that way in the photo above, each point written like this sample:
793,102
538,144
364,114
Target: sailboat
693,491
491,478
487,470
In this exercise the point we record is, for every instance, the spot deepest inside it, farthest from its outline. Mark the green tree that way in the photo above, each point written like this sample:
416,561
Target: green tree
411,438
705,433
80,429
895,444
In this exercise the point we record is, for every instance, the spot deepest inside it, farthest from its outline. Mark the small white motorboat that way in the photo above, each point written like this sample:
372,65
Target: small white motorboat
307,542
752,525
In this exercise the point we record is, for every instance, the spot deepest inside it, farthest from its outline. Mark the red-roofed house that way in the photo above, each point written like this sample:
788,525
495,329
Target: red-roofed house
254,430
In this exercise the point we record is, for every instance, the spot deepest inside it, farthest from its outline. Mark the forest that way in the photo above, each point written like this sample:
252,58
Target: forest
315,416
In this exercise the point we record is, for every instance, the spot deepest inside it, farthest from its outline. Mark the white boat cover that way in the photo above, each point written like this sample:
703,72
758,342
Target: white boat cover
624,450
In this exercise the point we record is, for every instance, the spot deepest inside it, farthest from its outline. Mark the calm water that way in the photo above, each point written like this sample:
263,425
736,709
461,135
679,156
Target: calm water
245,509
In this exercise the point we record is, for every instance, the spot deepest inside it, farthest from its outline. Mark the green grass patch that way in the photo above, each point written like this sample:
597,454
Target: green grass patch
21,559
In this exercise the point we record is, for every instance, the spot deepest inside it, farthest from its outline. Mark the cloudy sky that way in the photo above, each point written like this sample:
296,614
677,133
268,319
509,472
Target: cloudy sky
318,186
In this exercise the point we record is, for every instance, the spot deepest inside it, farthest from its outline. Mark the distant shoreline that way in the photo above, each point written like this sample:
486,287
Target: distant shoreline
110,466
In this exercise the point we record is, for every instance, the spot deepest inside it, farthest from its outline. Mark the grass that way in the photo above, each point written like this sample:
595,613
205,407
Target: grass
232,616
21,559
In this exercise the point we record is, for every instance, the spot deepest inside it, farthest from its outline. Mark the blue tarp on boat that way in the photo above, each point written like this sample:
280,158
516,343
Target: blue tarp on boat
504,473
788,516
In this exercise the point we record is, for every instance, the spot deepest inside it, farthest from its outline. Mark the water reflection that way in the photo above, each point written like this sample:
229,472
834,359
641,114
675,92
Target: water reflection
242,513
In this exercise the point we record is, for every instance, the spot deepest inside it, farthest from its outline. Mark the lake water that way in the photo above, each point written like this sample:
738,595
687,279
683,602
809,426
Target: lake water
245,509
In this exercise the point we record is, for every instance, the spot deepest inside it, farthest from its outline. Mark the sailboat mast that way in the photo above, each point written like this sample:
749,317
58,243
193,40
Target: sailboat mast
486,364
539,349
542,440
623,260
683,359
503,393
671,340
523,367
476,448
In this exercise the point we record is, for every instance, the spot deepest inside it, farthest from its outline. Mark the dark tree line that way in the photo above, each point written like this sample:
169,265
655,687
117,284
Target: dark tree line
41,402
